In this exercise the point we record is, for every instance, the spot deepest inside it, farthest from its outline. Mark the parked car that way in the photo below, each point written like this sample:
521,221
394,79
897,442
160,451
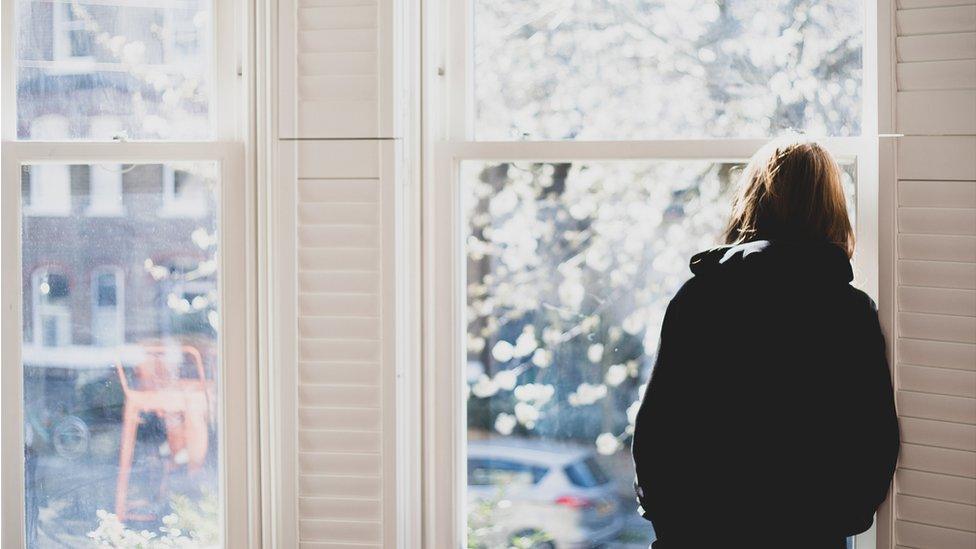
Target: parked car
539,494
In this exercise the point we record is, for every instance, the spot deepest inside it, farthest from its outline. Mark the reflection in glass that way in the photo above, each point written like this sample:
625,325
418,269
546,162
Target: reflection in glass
640,69
570,267
114,70
120,362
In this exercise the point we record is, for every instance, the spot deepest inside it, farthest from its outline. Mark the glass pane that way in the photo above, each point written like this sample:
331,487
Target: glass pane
120,362
569,270
640,69
97,69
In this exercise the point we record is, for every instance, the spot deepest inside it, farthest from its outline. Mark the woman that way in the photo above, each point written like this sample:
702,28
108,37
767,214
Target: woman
769,418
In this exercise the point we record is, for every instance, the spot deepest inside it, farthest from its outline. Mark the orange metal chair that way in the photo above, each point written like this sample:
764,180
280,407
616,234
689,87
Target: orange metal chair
182,403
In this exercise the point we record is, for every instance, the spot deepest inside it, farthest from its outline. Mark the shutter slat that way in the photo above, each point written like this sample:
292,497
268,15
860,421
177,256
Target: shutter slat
936,20
357,236
937,300
906,4
937,247
339,464
957,221
936,513
940,407
941,274
329,441
344,350
348,118
340,486
937,327
937,380
941,354
937,47
337,40
339,509
942,158
337,63
361,419
938,460
343,88
338,190
338,327
337,213
342,305
916,535
331,372
338,259
938,433
936,112
341,395
937,75
937,194
336,530
337,17
334,3
340,159
936,486
338,282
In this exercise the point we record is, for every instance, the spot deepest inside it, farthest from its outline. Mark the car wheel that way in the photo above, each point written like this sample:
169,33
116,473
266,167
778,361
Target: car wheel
531,539
70,437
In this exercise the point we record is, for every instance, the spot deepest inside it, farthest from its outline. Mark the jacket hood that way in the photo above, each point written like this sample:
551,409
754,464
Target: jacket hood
796,259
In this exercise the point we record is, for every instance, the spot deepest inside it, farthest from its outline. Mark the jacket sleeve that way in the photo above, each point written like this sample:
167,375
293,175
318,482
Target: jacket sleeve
656,433
877,437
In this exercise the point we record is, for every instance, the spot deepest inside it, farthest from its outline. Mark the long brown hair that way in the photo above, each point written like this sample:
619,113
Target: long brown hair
791,190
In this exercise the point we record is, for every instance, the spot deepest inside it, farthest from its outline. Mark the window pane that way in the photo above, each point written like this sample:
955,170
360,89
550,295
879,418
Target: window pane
120,362
569,270
638,69
97,69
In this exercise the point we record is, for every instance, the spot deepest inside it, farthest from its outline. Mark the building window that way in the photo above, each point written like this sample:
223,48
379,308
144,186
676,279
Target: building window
583,156
51,302
50,184
108,310
183,193
72,40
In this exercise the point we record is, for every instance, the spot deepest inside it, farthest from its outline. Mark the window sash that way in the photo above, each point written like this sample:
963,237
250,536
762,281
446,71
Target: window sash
226,72
232,284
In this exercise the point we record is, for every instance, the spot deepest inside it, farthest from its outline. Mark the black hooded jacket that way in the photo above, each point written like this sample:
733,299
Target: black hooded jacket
769,419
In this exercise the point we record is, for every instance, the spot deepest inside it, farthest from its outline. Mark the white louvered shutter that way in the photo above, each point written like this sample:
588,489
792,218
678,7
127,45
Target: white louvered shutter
334,210
935,298
335,73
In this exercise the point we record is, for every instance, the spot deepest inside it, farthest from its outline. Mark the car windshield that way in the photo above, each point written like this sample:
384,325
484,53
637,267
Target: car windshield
490,472
586,473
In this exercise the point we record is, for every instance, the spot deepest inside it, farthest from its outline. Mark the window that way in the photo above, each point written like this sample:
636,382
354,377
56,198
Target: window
133,356
108,309
51,292
182,193
584,151
71,39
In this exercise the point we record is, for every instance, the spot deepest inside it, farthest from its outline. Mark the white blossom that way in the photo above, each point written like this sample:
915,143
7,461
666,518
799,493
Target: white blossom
505,423
607,444
616,374
587,394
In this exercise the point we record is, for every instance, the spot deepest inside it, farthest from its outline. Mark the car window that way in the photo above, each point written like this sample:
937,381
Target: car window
488,472
586,473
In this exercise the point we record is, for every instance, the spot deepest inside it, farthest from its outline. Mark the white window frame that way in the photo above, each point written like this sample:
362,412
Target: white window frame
447,140
238,452
118,276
